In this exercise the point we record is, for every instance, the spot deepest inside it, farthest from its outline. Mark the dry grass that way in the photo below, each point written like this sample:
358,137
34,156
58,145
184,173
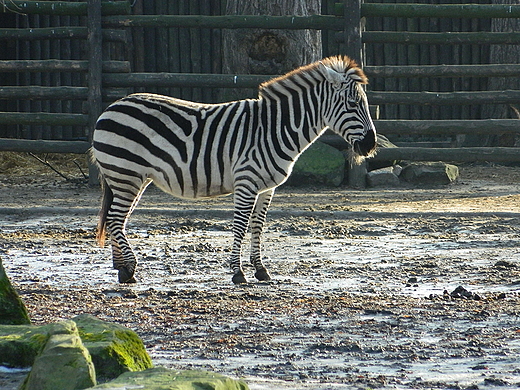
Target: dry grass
25,164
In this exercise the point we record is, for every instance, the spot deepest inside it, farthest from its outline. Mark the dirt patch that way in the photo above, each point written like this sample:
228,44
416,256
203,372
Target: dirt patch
365,290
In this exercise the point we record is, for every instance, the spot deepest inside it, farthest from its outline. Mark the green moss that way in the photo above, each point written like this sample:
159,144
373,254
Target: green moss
19,345
162,378
12,309
320,164
114,349
132,352
91,337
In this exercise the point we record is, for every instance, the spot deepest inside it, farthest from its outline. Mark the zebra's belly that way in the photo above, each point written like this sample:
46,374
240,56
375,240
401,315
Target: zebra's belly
188,190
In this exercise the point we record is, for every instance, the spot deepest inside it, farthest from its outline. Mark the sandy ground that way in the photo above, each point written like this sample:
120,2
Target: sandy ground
384,288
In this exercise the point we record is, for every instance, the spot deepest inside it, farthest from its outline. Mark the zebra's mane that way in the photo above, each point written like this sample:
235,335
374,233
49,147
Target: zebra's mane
341,64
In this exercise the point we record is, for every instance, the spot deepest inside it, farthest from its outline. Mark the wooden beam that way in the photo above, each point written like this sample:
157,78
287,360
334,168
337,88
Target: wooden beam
479,154
228,21
42,118
61,66
43,146
65,8
502,70
95,53
444,98
440,38
440,10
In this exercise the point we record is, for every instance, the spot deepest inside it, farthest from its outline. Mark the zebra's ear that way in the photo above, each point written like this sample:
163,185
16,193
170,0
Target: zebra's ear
331,75
357,75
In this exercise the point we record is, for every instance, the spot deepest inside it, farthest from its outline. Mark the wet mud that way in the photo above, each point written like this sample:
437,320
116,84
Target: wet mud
389,288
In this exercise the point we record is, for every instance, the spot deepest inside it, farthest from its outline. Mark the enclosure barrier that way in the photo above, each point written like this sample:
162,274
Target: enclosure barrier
93,67
107,78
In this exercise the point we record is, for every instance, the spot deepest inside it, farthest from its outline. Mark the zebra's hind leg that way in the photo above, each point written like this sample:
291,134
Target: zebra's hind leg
257,223
124,202
244,202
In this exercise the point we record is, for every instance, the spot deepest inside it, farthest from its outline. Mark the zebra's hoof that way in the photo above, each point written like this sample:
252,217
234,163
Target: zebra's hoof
262,275
239,278
126,277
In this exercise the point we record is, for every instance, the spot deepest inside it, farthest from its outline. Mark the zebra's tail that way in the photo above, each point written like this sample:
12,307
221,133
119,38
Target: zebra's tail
106,202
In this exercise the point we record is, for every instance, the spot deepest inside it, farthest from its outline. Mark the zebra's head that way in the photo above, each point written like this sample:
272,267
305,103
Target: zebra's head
346,111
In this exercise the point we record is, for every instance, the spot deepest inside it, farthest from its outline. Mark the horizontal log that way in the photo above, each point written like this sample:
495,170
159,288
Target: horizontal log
481,154
43,146
502,70
444,98
43,118
58,33
440,10
184,80
57,93
42,93
62,7
317,22
447,127
61,66
441,38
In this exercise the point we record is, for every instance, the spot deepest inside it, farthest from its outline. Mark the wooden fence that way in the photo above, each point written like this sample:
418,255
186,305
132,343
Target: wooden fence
109,79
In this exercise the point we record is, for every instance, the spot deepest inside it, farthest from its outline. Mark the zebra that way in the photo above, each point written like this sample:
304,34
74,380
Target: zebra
246,148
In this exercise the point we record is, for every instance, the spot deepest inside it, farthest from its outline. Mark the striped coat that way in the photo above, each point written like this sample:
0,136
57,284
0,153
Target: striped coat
246,148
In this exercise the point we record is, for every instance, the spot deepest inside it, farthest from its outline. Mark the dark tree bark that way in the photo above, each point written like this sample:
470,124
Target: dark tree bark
262,51
504,54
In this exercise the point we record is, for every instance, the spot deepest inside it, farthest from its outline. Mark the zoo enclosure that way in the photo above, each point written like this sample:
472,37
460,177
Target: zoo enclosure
97,79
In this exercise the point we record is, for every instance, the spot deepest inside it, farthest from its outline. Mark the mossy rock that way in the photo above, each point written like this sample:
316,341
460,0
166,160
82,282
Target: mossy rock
64,363
430,173
320,164
12,309
20,344
165,379
114,348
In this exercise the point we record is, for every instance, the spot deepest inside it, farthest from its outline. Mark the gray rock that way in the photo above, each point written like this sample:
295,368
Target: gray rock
64,363
384,177
20,344
430,173
320,164
162,378
382,142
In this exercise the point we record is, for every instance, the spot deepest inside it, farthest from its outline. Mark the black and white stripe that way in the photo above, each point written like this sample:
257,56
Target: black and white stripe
246,147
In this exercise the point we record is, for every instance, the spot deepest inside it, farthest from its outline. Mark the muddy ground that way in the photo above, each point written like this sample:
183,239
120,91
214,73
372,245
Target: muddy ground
384,288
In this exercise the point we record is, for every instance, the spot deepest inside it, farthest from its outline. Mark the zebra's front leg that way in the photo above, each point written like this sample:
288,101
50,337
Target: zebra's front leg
257,223
123,257
244,203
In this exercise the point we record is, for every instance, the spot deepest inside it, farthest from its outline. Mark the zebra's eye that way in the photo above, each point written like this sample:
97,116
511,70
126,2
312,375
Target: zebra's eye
352,101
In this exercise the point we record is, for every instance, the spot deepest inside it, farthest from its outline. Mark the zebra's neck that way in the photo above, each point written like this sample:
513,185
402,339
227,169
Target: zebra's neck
292,121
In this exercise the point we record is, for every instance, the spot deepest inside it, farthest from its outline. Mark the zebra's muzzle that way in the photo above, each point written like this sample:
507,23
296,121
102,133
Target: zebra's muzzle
367,145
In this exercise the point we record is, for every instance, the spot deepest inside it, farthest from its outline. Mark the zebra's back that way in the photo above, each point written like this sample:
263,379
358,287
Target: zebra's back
158,138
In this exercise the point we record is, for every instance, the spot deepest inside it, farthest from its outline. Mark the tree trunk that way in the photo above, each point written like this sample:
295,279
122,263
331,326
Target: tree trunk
504,54
273,52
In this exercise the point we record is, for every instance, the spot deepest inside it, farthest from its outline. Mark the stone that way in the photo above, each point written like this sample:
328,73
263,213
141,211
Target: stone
20,344
384,177
114,348
320,164
161,378
12,309
382,142
430,173
63,364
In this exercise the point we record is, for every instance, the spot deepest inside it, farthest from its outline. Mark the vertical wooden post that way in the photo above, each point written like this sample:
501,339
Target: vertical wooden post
352,30
94,42
354,49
